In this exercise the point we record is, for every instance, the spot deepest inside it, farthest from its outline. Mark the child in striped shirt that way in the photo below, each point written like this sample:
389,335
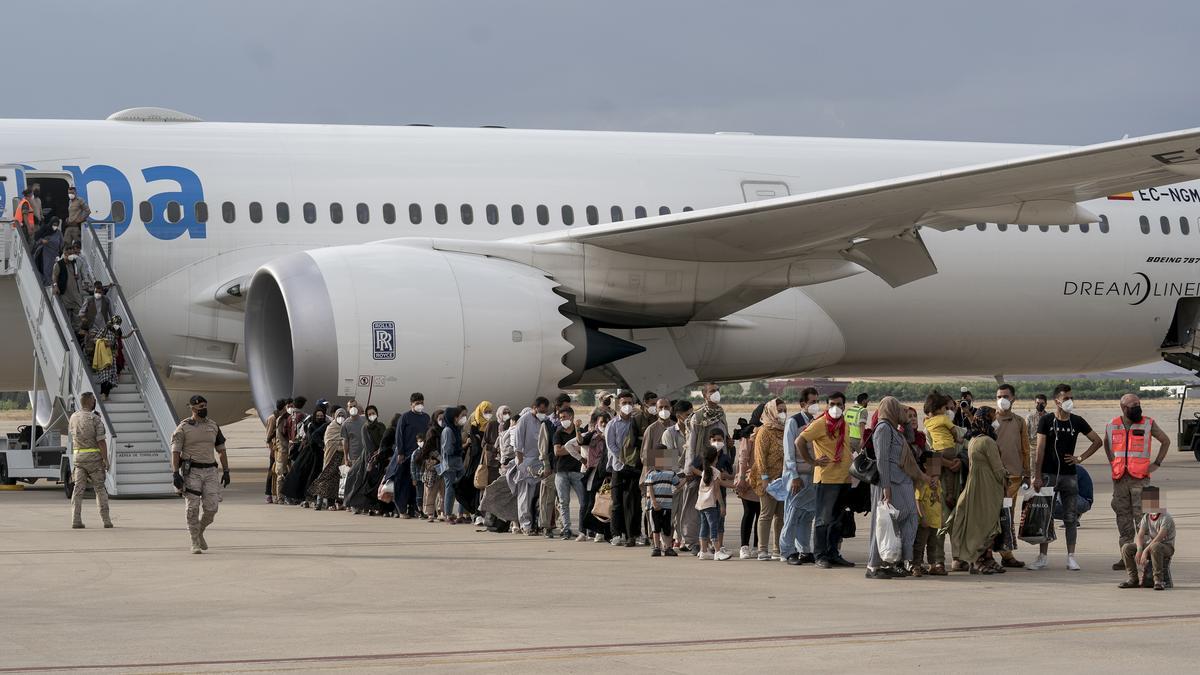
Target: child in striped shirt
660,485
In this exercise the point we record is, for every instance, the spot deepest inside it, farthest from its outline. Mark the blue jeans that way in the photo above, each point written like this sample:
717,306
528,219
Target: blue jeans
566,482
449,479
710,520
796,536
827,521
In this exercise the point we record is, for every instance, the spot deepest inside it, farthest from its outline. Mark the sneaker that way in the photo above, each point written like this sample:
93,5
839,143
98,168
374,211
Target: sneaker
807,559
722,555
618,540
598,539
824,564
744,553
582,537
1071,564
656,553
567,535
763,555
793,559
839,561
724,550
77,526
549,534
642,541
479,520
1040,563
670,553
877,573
704,555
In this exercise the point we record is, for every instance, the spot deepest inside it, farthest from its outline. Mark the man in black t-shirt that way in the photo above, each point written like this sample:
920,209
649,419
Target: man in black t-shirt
567,467
1056,439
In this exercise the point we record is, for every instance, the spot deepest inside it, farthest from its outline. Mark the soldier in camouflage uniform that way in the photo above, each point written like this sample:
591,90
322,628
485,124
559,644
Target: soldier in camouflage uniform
195,446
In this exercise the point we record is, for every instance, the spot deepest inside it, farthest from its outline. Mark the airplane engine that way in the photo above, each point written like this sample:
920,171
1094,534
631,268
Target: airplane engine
380,321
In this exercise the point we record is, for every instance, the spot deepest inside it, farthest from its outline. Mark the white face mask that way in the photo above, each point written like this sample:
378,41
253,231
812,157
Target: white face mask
783,417
72,257
542,417
835,412
419,408
339,419
626,409
718,445
462,421
995,425
71,195
950,414
1003,403
1067,405
715,397
505,417
353,412
567,424
372,418
488,416
98,295
814,409
664,414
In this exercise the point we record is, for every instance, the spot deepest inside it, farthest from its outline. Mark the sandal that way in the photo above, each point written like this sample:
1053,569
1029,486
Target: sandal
937,570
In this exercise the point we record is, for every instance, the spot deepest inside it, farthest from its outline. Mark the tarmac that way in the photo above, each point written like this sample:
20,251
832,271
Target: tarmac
289,589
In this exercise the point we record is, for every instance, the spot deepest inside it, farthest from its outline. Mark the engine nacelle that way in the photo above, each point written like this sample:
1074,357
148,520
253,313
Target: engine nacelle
389,318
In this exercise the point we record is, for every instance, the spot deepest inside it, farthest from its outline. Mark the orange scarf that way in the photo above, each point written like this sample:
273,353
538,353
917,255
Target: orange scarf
835,429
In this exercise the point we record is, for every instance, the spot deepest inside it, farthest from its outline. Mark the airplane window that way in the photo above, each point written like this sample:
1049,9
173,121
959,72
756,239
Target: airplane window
310,212
389,213
363,212
593,215
1023,228
439,213
568,215
1044,228
146,212
1145,223
467,213
543,214
335,213
518,215
1104,224
1165,223
174,212
981,226
1064,228
117,211
1084,227
493,214
1184,226
201,212
639,212
688,208
1003,227
615,212
228,212
414,214
282,214
664,210
255,212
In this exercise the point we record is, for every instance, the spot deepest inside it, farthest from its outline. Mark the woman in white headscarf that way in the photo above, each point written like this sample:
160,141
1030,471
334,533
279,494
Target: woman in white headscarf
325,488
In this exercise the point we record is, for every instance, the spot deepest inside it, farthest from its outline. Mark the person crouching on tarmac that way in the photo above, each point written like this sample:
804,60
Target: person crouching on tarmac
193,445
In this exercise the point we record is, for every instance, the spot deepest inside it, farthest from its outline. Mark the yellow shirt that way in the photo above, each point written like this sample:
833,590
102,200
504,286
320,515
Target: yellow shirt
941,431
823,445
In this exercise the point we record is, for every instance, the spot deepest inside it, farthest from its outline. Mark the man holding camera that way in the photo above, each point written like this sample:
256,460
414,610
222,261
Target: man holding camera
195,446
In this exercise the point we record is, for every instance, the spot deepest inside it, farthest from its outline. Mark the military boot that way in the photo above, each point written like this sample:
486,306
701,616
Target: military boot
196,548
200,540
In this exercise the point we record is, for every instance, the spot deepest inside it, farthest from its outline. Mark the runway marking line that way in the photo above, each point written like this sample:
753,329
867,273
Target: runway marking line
553,649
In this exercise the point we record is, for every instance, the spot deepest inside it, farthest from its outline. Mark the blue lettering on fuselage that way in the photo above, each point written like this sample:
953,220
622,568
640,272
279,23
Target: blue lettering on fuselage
160,226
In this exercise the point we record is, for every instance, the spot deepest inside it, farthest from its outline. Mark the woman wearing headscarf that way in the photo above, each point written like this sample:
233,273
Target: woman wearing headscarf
363,480
496,427
325,488
595,473
975,521
307,462
465,491
451,467
743,487
106,368
768,465
898,467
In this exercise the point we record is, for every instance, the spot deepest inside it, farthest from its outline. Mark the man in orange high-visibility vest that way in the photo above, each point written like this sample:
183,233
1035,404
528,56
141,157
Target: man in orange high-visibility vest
1127,444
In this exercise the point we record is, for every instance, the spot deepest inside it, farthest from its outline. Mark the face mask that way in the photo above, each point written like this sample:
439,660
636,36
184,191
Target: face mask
718,445
462,420
814,409
601,427
353,412
995,425
1003,403
372,418
488,416
567,424
715,397
1067,405
54,228
505,417
419,408
783,417
1135,413
664,414
339,419
542,417
72,257
202,413
835,412
420,444
950,414
291,411
1041,407
98,295
626,409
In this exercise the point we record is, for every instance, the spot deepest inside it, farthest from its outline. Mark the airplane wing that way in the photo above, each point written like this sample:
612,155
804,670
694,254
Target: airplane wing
874,224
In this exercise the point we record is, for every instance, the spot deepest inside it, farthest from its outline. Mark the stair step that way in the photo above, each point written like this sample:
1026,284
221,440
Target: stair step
137,437
135,427
141,468
147,490
134,417
153,460
115,408
125,397
157,477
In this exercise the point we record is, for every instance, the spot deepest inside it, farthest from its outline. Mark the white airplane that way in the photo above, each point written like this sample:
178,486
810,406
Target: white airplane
266,260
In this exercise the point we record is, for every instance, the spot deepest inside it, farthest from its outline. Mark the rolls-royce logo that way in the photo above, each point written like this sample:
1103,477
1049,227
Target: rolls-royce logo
1137,289
383,338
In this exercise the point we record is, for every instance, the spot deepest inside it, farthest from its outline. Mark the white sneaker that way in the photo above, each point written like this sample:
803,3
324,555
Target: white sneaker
1072,565
618,540
722,555
705,555
581,537
1040,563
763,555
599,539
744,553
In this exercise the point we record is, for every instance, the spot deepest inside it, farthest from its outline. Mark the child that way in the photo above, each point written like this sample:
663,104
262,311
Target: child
428,457
1159,527
660,485
710,501
943,438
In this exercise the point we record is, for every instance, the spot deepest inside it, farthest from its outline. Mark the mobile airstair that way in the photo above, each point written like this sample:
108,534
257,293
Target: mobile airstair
138,416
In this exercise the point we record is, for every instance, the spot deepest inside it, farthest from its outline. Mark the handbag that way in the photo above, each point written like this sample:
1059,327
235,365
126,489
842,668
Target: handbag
387,492
602,510
481,476
864,467
1037,516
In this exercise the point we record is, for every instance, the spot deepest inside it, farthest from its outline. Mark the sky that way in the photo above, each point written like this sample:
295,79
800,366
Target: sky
1013,71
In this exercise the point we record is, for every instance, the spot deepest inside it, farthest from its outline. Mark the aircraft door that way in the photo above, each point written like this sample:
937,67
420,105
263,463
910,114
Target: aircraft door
10,192
754,191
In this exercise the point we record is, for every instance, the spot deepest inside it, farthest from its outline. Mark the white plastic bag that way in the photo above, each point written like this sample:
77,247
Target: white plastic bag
343,471
887,533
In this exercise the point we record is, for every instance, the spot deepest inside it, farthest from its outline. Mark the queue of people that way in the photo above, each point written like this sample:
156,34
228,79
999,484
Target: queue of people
659,473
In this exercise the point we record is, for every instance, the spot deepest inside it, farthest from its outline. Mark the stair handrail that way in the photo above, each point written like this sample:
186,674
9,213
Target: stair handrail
154,391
